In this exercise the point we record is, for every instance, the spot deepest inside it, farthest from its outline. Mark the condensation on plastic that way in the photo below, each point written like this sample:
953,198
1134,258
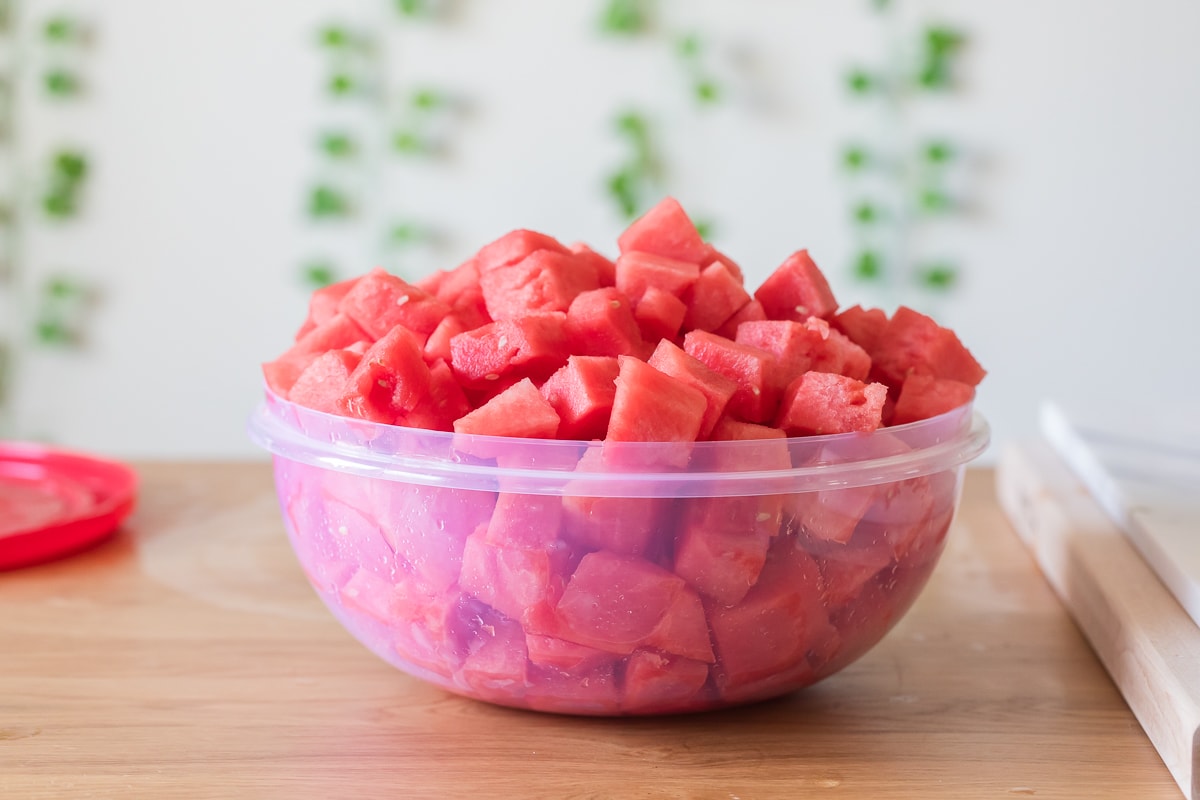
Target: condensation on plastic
626,469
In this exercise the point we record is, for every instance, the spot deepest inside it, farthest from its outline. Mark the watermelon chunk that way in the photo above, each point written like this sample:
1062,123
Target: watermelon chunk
626,525
666,230
323,304
620,603
513,580
716,255
514,246
721,545
324,380
533,346
811,345
652,407
545,280
600,322
796,290
823,403
438,344
582,393
497,661
339,332
913,342
519,410
606,268
657,683
659,314
670,359
715,297
754,370
638,271
460,289
563,656
923,396
389,381
751,312
380,301
863,326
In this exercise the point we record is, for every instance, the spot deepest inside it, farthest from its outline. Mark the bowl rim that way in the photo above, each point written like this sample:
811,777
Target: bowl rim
294,433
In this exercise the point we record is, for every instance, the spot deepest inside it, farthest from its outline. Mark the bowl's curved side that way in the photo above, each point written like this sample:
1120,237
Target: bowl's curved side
611,605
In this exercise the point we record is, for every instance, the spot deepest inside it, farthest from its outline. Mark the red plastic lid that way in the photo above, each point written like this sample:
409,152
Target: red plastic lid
54,502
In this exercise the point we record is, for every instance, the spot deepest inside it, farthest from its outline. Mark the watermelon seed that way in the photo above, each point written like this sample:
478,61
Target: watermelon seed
802,311
757,391
491,376
763,516
402,299
615,303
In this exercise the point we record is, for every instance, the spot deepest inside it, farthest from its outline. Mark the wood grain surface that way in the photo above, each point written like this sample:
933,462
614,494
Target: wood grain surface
188,658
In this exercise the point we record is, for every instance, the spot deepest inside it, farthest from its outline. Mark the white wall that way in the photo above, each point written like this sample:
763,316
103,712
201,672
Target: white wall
1083,118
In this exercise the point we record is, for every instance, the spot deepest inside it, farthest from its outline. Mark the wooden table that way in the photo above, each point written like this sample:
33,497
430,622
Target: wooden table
188,658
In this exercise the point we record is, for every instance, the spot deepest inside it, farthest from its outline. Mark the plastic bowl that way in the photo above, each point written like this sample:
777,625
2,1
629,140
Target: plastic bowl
604,579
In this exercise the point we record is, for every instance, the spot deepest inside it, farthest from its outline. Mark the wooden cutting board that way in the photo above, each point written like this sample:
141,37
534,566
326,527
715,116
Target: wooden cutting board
1144,637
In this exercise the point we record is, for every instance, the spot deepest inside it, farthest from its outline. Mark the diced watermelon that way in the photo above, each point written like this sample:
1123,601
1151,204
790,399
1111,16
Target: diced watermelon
923,396
626,525
652,407
337,333
525,520
514,246
753,369
665,230
444,403
659,314
496,662
620,603
563,656
533,346
715,297
670,359
912,342
721,545
796,290
380,301
323,304
595,691
582,393
657,683
438,344
324,380
513,580
606,268
779,622
600,322
638,271
519,410
823,403
864,326
800,347
389,381
716,255
752,311
460,290
545,280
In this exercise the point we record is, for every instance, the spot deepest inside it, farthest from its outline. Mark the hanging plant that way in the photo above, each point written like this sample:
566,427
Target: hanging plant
899,180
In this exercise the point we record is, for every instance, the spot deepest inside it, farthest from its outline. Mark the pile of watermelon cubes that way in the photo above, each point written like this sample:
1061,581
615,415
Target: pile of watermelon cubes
615,605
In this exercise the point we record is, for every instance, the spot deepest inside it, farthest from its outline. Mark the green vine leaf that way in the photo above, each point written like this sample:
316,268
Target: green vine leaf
407,234
622,188
326,202
342,84
624,17
706,228
408,142
338,145
70,166
318,274
866,213
61,29
706,91
861,82
868,266
934,201
938,277
412,8
855,157
61,83
426,100
937,152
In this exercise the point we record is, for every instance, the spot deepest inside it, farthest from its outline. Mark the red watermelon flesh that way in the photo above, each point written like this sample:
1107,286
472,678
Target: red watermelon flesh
563,656
525,520
721,545
512,579
389,381
545,280
716,255
650,406
496,662
666,230
582,393
781,620
380,301
606,268
323,304
753,370
626,525
659,683
600,322
595,691
438,344
670,359
796,290
620,603
519,410
913,342
337,333
863,326
533,346
324,380
638,271
659,314
751,312
923,396
715,297
819,403
515,246
460,290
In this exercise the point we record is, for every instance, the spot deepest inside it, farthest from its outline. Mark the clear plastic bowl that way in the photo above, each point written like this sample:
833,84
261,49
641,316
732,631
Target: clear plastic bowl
611,579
